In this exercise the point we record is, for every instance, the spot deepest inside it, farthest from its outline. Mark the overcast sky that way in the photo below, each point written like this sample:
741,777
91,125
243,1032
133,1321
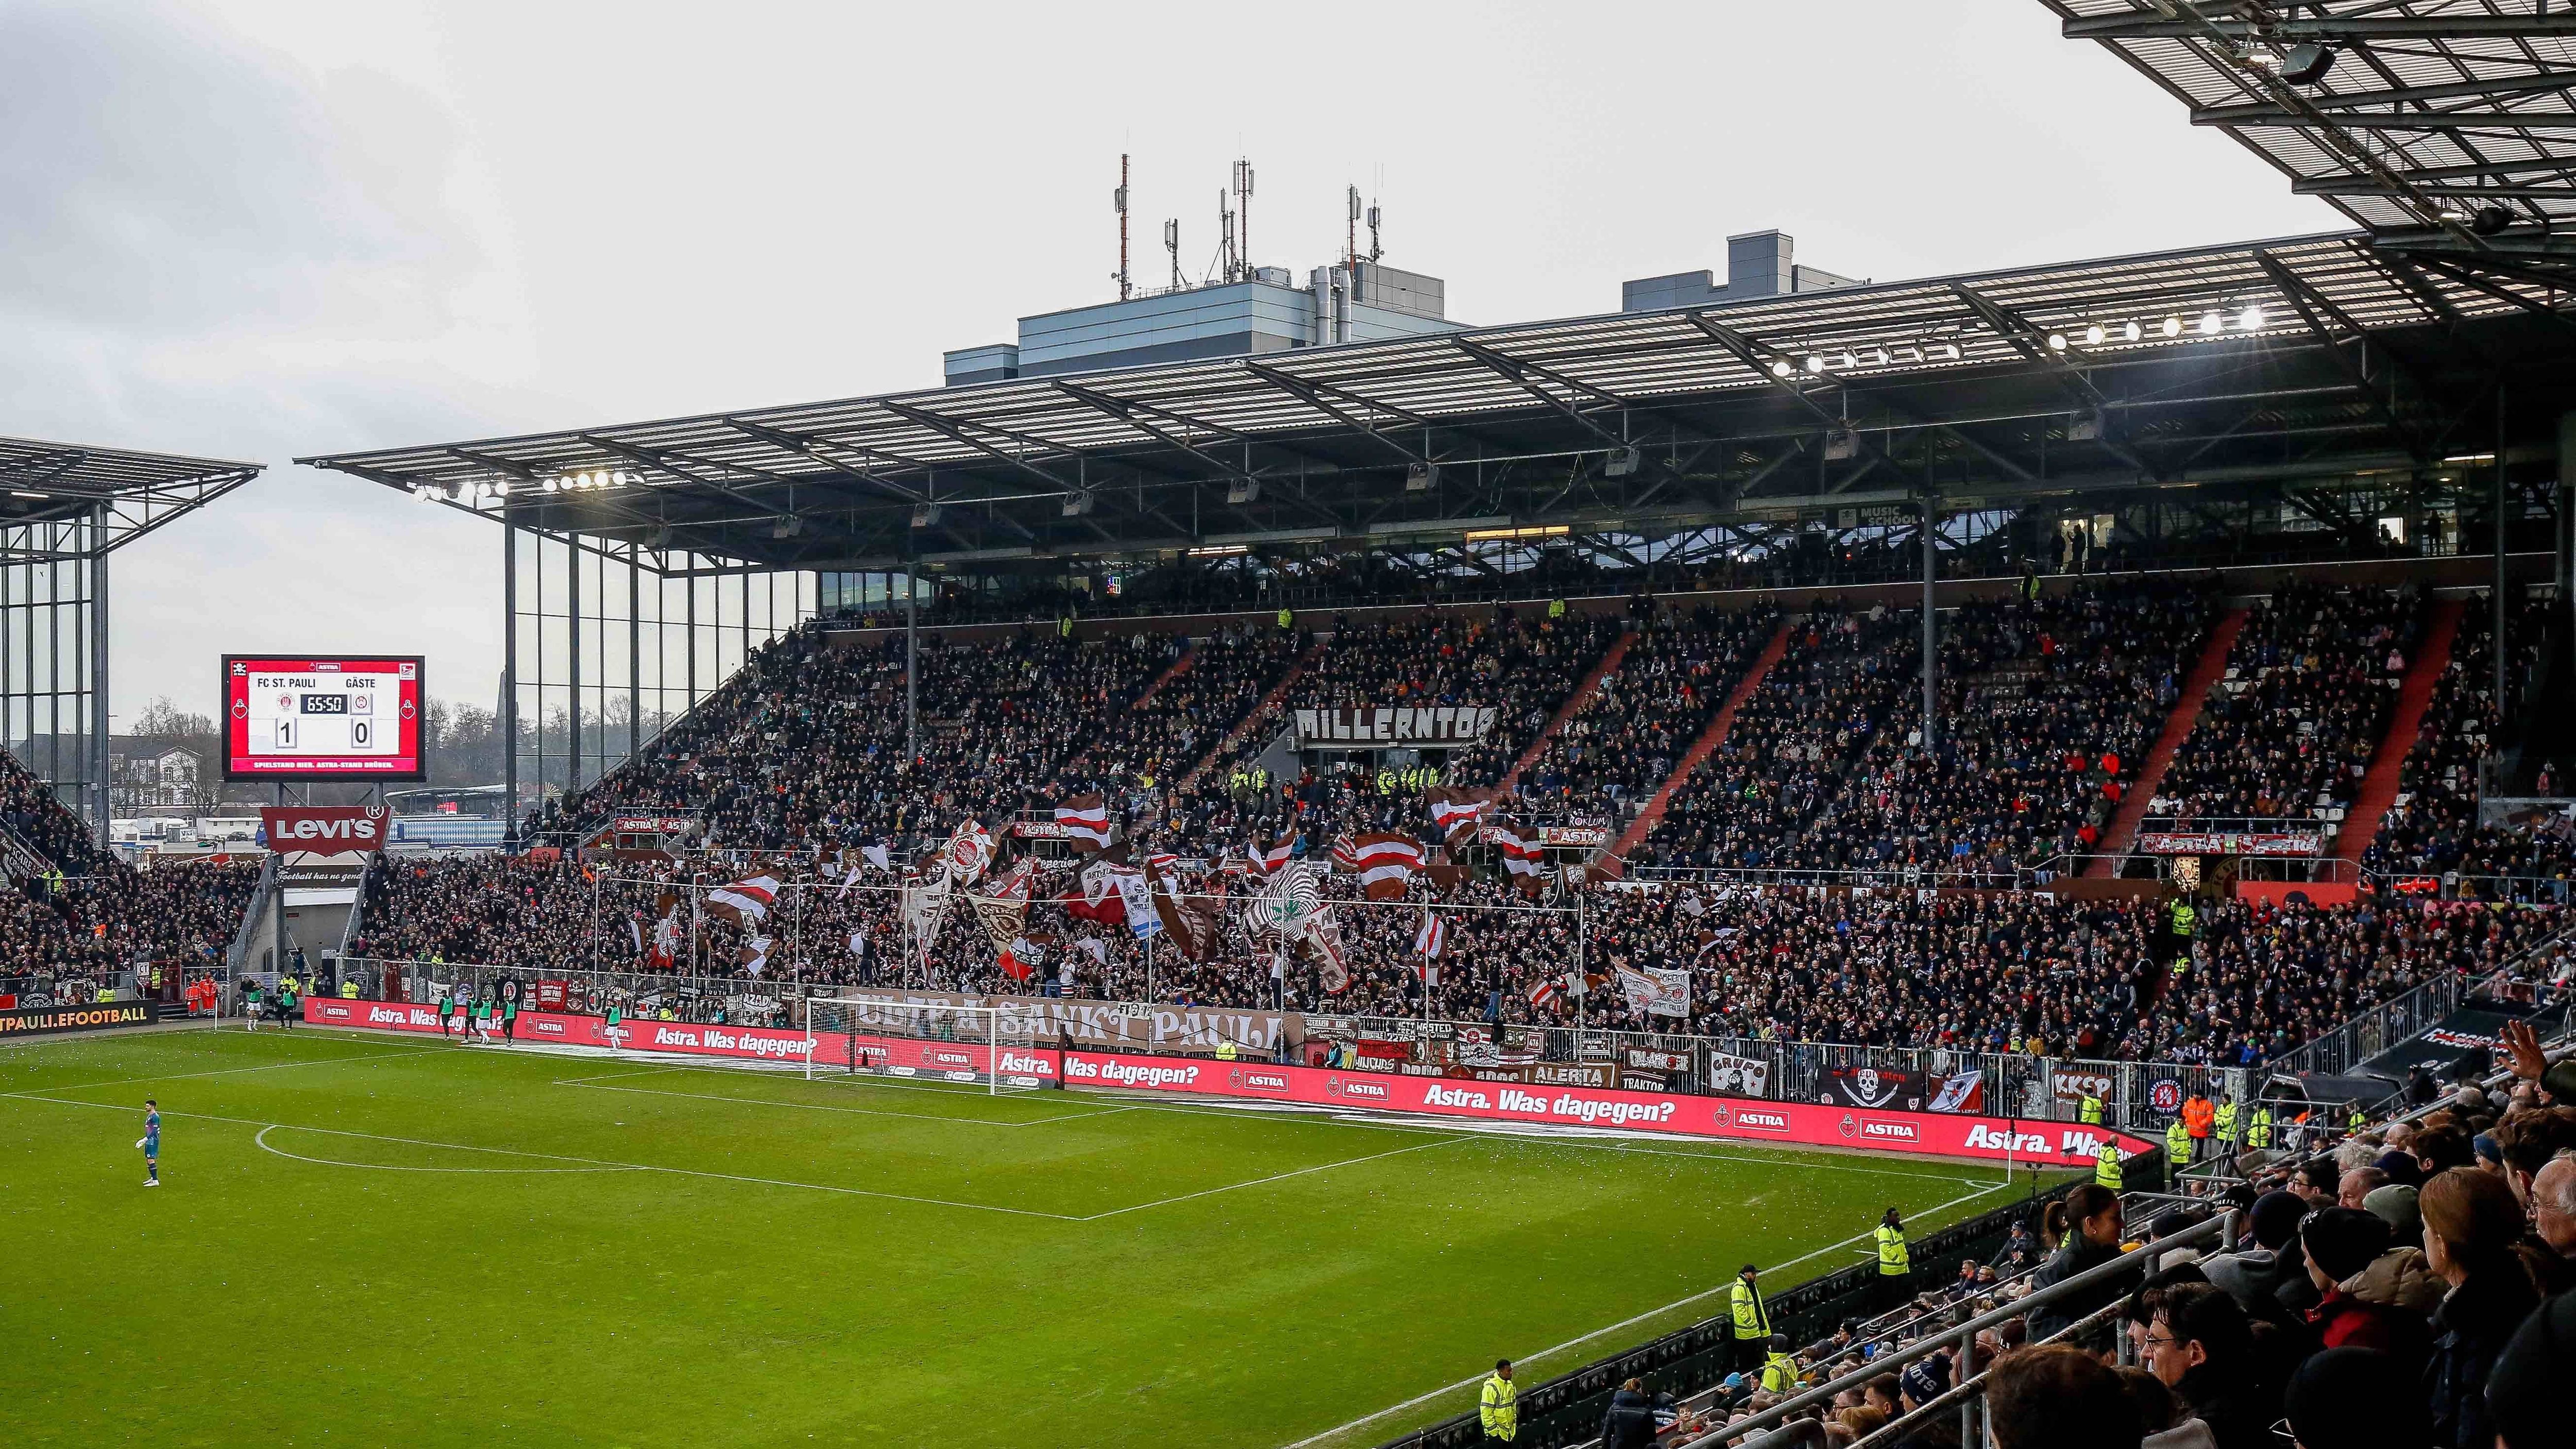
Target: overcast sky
253,231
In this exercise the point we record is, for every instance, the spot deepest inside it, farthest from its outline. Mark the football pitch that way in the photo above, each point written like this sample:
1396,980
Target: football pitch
365,1239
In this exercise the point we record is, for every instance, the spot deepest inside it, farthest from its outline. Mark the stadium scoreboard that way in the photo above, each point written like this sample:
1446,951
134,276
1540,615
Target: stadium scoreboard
344,718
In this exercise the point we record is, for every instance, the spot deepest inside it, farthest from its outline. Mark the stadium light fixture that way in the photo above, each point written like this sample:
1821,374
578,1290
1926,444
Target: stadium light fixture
2210,324
2093,335
1221,550
1498,535
2057,342
2251,319
2173,327
1780,368
2130,333
23,493
1815,362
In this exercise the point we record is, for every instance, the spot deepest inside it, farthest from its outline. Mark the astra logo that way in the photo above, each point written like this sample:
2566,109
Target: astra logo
1886,1130
1994,1140
1762,1121
1267,1081
1363,1089
951,1059
1019,1062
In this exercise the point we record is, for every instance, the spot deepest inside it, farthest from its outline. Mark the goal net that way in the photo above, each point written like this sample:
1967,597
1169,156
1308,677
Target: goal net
986,1046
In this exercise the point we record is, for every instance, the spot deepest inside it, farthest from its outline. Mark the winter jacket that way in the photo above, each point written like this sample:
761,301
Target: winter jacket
2469,1330
2399,1278
1630,1422
2074,1256
2344,1321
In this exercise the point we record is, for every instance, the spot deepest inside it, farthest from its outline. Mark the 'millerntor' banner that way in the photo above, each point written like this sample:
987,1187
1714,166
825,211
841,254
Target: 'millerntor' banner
1369,729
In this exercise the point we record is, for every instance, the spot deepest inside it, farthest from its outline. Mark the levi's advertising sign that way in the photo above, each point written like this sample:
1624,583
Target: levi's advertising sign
325,830
1800,1124
303,718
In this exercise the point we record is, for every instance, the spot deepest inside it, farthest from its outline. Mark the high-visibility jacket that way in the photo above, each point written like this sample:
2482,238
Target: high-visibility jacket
2178,1145
1752,1316
2106,1166
2089,1112
1556,608
348,988
1779,1373
2184,918
1286,618
2357,1122
1892,1259
1499,1407
2226,1121
2258,1128
2197,1115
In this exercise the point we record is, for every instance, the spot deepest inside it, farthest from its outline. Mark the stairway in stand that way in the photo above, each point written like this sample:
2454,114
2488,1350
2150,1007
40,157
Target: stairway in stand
1269,701
1573,706
1709,739
2379,787
2186,712
1179,667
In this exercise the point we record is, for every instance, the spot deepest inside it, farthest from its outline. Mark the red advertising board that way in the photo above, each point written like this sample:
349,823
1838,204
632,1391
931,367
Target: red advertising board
1801,1124
302,717
324,829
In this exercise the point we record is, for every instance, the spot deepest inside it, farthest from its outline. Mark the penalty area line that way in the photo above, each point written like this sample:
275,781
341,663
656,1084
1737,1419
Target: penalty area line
1652,1313
1275,1177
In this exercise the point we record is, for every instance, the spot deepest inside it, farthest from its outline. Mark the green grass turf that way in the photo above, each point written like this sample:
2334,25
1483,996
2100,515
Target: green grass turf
702,1257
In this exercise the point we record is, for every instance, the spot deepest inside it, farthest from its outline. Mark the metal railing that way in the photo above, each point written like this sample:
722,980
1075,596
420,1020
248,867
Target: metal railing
2374,1031
262,900
1968,1394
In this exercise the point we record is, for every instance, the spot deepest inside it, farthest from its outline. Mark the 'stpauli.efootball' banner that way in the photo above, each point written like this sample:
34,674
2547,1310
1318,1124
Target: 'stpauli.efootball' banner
1787,1123
1367,729
1105,1024
99,1016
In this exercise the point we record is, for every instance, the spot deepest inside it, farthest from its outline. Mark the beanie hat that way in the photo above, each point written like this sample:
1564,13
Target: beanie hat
2527,1391
2276,1218
2395,1206
2400,1167
2341,1397
2343,1241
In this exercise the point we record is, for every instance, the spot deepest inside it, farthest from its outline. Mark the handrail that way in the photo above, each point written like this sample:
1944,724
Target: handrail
260,899
2132,1259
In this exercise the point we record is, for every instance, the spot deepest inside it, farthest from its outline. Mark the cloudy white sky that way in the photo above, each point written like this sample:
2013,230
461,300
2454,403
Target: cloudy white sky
252,231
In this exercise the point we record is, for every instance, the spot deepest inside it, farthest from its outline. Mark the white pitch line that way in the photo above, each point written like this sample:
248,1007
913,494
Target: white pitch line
229,1071
561,1157
827,1107
1651,1313
261,1141
1258,1181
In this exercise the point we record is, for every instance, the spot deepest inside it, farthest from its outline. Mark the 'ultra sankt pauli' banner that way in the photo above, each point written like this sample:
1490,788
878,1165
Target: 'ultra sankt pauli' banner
1792,1124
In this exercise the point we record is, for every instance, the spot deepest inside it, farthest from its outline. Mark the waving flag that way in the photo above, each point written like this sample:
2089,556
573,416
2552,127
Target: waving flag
666,930
1546,992
1004,907
1385,861
1456,812
754,956
1432,936
1523,857
1187,919
1020,959
1085,819
745,902
968,853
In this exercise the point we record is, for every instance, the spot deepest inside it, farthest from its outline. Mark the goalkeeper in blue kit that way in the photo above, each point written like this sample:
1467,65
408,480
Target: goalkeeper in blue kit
151,1143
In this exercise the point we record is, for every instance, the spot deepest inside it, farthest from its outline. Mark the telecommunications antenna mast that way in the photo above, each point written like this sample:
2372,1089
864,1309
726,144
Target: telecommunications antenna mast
1375,251
1172,244
1243,209
1118,199
1351,233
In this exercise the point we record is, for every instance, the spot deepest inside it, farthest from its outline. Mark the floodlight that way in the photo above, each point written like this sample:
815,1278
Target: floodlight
2210,323
2306,63
1780,369
1815,362
553,483
2173,327
2490,220
2093,335
2057,342
2130,332
2251,319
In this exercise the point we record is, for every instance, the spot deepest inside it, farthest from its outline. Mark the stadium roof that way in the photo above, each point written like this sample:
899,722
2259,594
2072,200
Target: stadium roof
62,483
2279,359
2441,125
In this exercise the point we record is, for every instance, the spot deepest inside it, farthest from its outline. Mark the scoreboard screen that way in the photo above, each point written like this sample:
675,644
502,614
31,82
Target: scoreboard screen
322,719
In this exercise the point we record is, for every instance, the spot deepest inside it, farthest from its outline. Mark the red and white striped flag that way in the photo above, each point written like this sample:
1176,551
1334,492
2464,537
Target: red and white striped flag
1385,862
1085,819
1432,936
1523,856
1546,991
1456,812
746,903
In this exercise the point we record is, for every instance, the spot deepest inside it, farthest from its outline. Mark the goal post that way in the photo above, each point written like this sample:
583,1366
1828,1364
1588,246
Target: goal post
988,1046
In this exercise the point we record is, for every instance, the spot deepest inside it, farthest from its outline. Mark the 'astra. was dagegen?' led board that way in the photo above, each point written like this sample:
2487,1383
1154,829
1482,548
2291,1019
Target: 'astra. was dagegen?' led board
341,718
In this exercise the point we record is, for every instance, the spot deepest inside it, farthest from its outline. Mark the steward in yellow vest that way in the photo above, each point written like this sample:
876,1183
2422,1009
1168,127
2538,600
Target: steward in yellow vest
1751,1321
1780,1370
2106,1166
1499,1406
2258,1128
2178,1146
2089,1111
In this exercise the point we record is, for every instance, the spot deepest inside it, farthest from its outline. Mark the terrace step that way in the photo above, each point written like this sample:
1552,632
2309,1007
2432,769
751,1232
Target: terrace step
2379,786
1179,667
2186,713
1574,705
1708,741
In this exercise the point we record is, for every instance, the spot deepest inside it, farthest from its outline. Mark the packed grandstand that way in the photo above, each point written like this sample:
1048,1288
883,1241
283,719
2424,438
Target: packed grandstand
1767,820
